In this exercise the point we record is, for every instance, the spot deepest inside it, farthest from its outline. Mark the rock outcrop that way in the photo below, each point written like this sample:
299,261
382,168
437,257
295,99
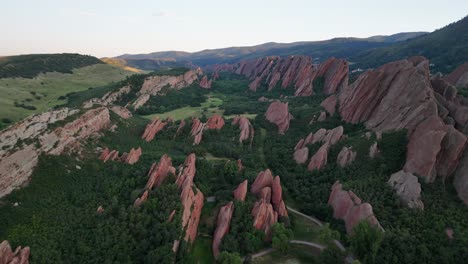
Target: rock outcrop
407,188
129,158
153,128
241,191
374,150
329,104
108,99
461,178
459,77
335,75
349,208
346,157
279,115
204,83
18,158
319,159
197,130
277,197
222,226
153,85
8,256
121,111
159,171
301,155
264,217
215,122
246,128
264,179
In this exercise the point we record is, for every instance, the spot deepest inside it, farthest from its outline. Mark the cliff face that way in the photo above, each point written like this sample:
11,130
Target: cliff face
22,143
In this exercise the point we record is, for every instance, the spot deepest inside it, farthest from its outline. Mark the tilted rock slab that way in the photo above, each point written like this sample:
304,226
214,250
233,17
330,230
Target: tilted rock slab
153,128
246,128
222,226
215,122
241,191
279,115
459,76
346,157
335,74
8,256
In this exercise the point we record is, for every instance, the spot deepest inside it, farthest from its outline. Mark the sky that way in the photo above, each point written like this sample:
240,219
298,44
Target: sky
105,28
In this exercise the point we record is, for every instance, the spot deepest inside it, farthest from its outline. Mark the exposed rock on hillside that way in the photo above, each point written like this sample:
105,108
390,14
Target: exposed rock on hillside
241,191
264,217
153,128
407,188
16,164
375,97
154,84
319,159
349,208
215,122
329,104
459,77
180,128
8,256
158,172
461,178
121,111
108,99
264,179
222,226
204,83
197,130
346,157
246,128
335,74
301,155
279,115
277,197
130,158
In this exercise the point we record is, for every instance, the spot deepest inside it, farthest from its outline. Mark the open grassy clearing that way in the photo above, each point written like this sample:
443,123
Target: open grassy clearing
297,254
208,108
43,91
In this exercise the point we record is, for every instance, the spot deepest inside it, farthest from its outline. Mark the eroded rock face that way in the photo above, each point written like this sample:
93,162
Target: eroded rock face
204,83
187,172
322,117
349,208
158,172
301,155
153,128
459,77
335,74
197,130
346,157
108,99
264,217
154,84
133,156
222,226
246,128
121,111
19,256
180,128
319,159
241,191
461,178
141,199
407,188
277,197
375,97
264,179
452,147
329,104
129,158
279,115
215,122
16,165
192,203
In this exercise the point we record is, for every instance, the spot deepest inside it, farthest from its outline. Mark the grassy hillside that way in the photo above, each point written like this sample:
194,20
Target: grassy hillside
45,90
121,63
29,66
446,48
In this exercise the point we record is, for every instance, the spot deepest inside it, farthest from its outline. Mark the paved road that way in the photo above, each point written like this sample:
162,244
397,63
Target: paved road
315,220
307,243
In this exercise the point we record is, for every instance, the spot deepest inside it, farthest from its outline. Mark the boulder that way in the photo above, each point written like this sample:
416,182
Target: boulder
346,157
265,194
333,136
222,226
241,191
153,128
407,188
204,83
319,135
264,179
180,128
171,216
335,74
329,104
279,115
374,150
215,122
461,178
246,128
319,159
349,208
301,155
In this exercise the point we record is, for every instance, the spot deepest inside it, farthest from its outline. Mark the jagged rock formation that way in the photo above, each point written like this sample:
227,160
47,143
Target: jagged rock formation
246,128
329,105
215,122
222,226
197,130
8,256
141,199
349,208
32,137
459,77
279,115
130,158
108,99
335,74
204,83
121,111
407,188
154,84
271,205
319,159
461,178
241,191
153,128
346,157
375,98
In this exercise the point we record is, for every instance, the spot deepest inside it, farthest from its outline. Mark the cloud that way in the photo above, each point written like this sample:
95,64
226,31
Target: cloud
87,13
162,13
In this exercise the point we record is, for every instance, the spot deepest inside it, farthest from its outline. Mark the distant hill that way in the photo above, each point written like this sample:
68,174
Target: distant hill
29,66
121,63
339,47
446,48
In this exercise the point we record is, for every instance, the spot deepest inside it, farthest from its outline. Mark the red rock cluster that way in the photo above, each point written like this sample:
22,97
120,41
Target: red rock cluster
222,226
349,208
335,75
121,111
215,122
241,191
8,256
346,157
459,77
153,128
204,83
197,130
279,115
246,128
130,158
271,205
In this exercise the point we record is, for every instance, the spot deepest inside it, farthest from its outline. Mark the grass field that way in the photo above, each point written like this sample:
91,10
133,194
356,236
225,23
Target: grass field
43,91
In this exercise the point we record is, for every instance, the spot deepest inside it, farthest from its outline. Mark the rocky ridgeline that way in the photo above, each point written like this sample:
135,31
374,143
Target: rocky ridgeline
153,128
246,128
349,208
292,71
130,158
8,256
278,114
214,122
21,144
